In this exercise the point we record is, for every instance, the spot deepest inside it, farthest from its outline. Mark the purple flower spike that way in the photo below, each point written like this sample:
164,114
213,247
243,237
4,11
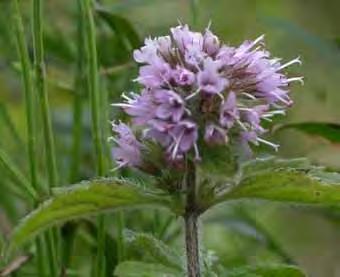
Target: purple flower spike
193,84
128,149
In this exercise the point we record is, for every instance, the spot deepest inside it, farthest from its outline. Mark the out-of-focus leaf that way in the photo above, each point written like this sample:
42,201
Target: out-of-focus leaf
329,131
270,270
140,269
326,48
84,199
58,46
159,251
121,26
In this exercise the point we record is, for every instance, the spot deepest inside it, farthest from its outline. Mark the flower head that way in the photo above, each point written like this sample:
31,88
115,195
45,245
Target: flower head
193,85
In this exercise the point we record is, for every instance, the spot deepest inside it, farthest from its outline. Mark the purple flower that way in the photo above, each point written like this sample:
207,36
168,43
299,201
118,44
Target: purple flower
229,112
209,79
155,75
215,134
147,53
140,107
160,131
128,149
170,105
186,39
183,76
184,138
253,117
211,43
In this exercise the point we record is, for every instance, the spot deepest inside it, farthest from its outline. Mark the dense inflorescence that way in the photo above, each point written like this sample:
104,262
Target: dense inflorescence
197,90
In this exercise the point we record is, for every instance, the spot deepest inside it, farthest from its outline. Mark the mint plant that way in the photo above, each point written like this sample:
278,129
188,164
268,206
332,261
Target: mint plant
186,142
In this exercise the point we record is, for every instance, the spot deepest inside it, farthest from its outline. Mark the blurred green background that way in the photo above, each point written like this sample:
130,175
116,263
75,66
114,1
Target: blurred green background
310,29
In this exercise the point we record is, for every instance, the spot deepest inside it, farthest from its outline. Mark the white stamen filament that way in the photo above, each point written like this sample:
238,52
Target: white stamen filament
192,94
197,154
275,146
177,141
119,166
296,60
252,97
242,125
296,79
122,105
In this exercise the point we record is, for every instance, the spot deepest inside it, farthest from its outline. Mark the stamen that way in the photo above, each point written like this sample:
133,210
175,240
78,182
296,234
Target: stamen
123,105
297,79
296,60
119,167
252,97
275,146
197,154
174,151
242,125
193,94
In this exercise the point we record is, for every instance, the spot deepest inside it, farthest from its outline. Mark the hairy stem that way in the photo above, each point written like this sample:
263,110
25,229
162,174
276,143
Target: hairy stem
191,224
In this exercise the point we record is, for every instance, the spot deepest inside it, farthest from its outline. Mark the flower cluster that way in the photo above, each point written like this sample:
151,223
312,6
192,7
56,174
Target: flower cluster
197,90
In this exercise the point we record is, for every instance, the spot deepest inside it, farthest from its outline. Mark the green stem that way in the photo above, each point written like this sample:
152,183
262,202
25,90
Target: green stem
40,77
194,12
93,88
40,84
28,90
93,84
120,236
30,112
191,224
78,98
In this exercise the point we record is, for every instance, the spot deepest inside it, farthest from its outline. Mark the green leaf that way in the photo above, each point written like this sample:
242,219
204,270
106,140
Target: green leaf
329,131
121,26
270,163
274,270
140,269
84,199
158,250
289,186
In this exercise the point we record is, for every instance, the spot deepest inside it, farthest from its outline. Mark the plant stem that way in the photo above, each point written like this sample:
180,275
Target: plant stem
93,84
194,12
28,90
93,88
40,84
30,111
40,77
191,224
80,87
